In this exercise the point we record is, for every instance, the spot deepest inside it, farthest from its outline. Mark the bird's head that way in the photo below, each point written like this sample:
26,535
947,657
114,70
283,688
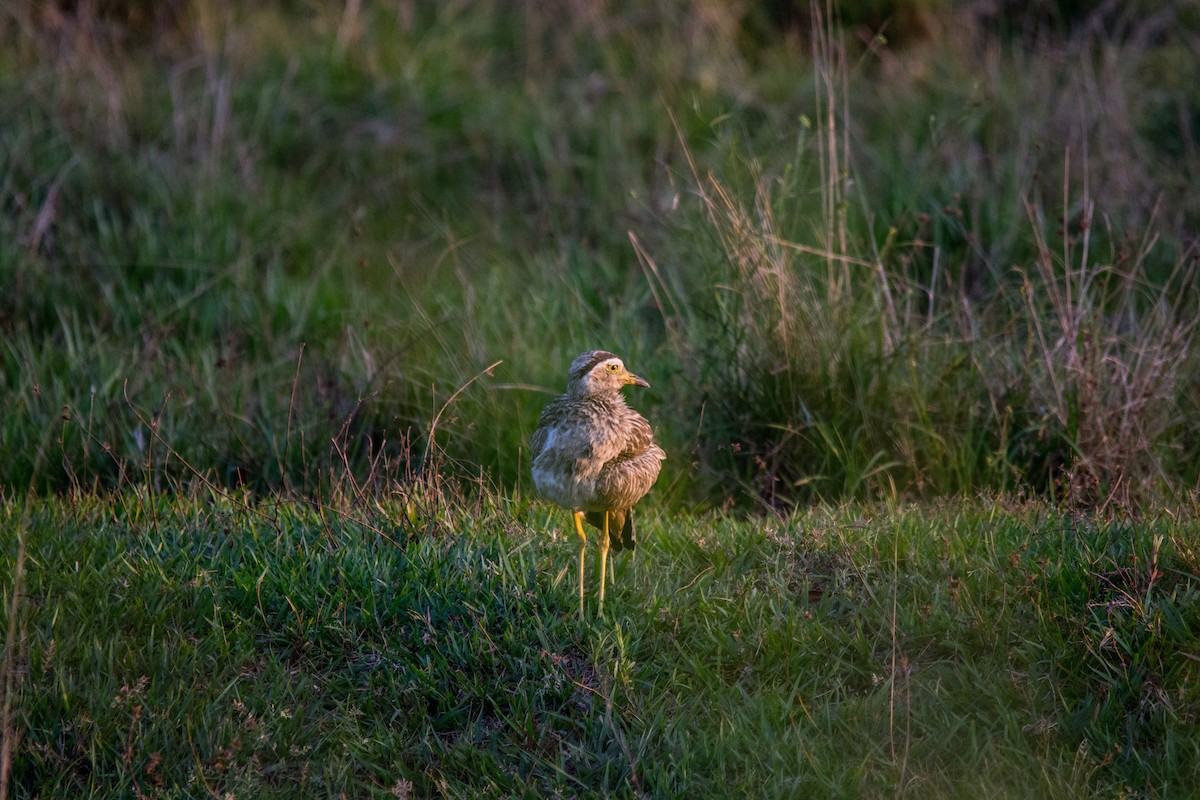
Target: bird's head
599,372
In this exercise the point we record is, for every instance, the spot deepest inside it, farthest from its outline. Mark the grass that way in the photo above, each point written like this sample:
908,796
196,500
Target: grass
286,287
197,644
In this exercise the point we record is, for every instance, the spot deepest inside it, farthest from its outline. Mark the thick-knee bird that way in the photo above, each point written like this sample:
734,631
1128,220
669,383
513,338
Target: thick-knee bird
595,456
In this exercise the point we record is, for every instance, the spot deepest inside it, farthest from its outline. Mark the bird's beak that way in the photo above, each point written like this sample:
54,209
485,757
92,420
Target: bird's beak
629,378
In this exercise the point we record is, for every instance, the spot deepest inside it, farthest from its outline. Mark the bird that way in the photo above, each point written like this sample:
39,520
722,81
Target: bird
595,456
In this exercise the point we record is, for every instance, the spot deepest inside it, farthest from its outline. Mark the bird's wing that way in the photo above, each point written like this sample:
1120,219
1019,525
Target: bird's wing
551,416
638,437
538,442
625,478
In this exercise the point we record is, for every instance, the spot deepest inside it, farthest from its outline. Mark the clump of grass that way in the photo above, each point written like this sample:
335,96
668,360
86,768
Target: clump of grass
1107,361
834,358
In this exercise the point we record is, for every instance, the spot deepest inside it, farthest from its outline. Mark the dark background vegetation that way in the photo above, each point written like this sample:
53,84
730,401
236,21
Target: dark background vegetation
881,249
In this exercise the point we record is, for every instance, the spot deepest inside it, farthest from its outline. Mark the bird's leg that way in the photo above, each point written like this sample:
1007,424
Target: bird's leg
603,561
582,552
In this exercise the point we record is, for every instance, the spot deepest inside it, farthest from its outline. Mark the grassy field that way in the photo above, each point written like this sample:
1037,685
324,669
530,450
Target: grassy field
284,287
192,645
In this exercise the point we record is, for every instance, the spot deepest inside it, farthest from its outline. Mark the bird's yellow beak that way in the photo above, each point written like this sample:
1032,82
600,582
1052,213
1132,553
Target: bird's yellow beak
628,378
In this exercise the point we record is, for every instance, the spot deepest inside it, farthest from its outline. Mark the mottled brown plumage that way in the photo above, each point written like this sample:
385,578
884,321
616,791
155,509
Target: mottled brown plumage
596,456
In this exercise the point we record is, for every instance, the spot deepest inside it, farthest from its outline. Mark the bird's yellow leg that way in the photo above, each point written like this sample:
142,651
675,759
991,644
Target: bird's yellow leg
582,552
603,561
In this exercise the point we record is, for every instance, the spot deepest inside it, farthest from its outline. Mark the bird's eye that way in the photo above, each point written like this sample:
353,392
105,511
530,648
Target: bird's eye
613,367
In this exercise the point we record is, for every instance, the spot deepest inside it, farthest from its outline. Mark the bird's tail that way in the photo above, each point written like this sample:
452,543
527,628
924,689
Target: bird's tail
621,535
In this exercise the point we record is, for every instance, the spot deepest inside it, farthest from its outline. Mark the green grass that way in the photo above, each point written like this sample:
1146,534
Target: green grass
194,644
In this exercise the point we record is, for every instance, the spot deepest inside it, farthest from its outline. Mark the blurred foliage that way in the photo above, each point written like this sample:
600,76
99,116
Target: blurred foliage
268,241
